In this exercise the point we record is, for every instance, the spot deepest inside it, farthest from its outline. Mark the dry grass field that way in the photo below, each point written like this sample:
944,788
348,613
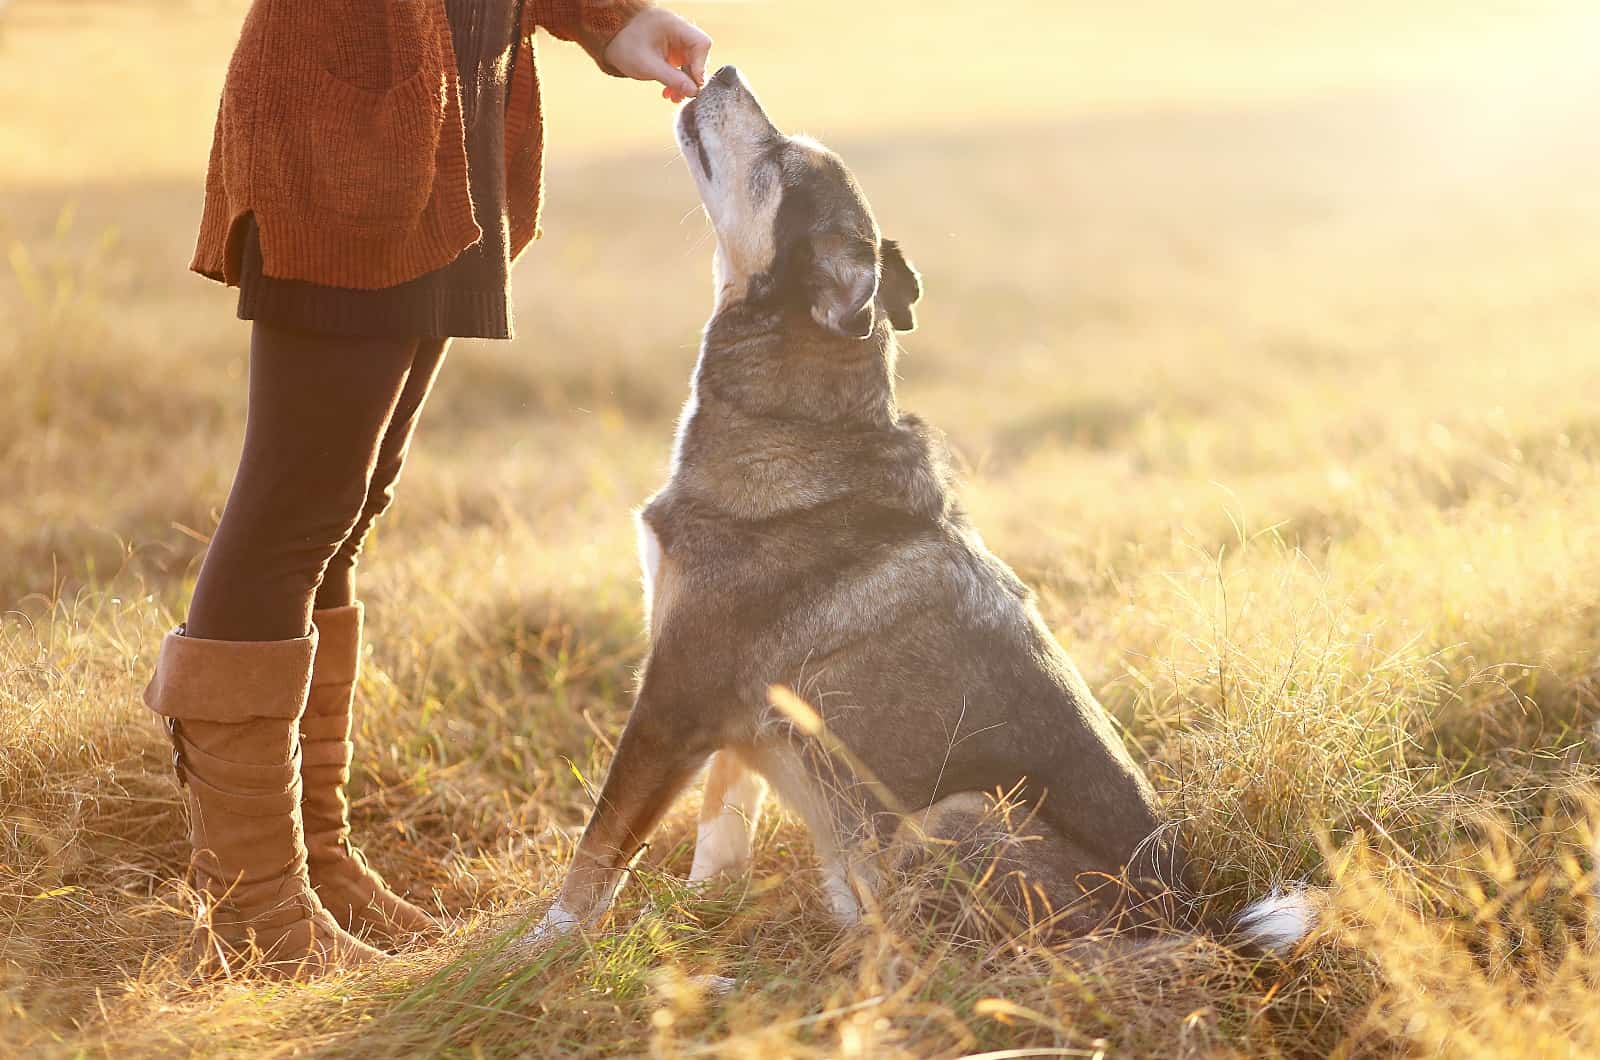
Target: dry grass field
1268,339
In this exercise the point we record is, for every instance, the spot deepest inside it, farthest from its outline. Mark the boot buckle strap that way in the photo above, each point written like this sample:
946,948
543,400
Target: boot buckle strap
355,854
174,733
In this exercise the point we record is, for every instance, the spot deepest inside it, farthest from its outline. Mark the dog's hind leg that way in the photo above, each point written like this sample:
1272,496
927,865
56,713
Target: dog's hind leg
729,812
838,828
1035,879
659,752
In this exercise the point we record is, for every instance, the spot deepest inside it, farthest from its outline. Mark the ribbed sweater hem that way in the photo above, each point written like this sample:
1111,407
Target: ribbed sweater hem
359,259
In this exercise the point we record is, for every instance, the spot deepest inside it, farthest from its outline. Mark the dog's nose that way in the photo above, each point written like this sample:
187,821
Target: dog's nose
727,77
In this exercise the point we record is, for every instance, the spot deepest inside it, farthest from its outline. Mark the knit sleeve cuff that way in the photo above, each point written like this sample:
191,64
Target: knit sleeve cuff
590,23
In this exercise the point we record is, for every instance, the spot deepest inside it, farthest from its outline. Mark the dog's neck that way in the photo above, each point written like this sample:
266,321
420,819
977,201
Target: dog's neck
784,417
774,361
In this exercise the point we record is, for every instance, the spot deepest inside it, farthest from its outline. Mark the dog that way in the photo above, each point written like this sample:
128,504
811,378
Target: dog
824,621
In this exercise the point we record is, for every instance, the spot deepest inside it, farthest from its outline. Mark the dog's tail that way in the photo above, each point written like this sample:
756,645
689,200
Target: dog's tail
1275,923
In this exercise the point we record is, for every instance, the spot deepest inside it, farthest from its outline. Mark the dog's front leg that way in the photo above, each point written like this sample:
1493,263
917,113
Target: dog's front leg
730,809
661,748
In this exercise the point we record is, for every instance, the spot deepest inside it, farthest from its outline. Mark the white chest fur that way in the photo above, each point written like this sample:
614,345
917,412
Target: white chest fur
649,565
652,558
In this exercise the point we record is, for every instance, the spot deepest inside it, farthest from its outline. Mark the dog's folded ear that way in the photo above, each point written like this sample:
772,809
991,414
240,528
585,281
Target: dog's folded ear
900,286
844,286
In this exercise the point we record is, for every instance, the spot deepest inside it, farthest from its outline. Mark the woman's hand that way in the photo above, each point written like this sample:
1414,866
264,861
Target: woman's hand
657,45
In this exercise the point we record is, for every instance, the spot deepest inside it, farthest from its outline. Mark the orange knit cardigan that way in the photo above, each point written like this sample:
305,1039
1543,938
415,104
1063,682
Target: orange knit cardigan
340,129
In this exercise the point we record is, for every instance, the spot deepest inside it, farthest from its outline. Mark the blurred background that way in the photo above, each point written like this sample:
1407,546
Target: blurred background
1267,338
1218,240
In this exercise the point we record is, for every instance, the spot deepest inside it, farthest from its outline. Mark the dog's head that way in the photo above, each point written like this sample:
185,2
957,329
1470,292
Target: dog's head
792,226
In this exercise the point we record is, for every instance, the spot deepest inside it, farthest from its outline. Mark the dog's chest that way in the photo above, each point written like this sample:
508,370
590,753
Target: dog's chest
683,555
652,559
662,568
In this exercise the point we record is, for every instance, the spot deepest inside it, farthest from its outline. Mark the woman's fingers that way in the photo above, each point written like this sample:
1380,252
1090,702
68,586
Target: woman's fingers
699,48
656,68
659,46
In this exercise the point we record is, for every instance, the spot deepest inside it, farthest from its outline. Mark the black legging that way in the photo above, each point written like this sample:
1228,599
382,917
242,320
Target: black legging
330,421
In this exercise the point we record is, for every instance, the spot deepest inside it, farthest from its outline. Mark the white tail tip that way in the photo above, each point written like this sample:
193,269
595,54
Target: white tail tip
1278,921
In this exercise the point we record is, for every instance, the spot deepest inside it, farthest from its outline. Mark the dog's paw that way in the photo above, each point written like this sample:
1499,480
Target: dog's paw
557,923
705,871
716,986
722,848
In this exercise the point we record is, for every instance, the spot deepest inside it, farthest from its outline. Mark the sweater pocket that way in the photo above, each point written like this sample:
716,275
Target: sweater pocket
361,158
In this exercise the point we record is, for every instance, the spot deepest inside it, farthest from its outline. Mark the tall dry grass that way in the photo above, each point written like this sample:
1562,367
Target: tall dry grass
1288,411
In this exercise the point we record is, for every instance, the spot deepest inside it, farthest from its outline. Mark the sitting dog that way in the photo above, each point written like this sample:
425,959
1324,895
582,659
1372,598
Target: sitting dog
823,619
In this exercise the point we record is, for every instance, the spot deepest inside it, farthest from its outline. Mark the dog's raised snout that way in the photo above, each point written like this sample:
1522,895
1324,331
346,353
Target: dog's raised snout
727,77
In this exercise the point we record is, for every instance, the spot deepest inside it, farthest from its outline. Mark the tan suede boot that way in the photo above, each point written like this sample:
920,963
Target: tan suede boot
350,888
232,710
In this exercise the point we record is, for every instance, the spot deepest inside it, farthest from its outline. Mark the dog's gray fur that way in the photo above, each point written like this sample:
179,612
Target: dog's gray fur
809,538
